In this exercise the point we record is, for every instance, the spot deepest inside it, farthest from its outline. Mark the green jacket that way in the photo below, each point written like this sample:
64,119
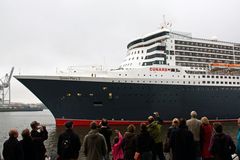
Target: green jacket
155,131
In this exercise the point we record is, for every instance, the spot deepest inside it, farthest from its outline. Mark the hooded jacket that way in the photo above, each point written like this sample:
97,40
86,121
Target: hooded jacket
95,147
155,132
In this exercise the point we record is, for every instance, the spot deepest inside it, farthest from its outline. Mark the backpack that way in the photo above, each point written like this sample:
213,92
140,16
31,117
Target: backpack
223,145
66,144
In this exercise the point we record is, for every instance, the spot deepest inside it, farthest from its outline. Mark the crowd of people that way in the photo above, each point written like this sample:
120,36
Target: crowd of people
191,139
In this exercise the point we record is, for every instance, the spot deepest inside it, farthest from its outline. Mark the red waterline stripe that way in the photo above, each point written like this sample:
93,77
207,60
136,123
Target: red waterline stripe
85,122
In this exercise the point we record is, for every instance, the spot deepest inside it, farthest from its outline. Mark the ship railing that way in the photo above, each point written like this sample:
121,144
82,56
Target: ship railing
83,69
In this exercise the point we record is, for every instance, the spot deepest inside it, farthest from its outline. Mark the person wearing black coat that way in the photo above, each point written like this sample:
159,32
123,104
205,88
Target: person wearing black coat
27,145
129,143
106,131
39,134
144,143
182,143
221,146
69,144
11,148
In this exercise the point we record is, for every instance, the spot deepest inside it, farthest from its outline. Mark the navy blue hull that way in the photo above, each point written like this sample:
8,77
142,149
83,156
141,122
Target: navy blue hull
128,101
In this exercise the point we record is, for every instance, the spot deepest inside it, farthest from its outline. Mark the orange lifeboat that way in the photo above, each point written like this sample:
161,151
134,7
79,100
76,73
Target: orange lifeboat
219,65
234,65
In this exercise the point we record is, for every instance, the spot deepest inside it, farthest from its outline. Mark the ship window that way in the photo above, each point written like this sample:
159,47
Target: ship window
230,82
234,82
203,76
221,82
233,77
226,83
208,76
221,76
125,74
91,94
212,76
225,76
110,95
213,82
204,82
119,74
217,82
79,94
208,82
217,77
237,77
68,94
237,82
229,77
97,104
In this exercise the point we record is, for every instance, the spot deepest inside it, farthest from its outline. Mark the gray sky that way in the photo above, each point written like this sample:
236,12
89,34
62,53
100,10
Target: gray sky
38,36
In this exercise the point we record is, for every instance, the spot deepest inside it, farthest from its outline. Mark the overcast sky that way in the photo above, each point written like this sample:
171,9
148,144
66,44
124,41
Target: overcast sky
38,36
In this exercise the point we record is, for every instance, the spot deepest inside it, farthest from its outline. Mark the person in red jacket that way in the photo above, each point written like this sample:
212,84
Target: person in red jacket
206,131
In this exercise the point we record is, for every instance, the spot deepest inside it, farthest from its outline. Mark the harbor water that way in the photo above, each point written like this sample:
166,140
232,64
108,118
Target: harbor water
22,120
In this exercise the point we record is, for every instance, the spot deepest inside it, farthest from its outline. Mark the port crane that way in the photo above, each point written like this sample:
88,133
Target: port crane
5,92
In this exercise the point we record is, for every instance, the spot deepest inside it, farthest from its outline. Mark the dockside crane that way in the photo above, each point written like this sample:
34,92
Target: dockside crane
5,88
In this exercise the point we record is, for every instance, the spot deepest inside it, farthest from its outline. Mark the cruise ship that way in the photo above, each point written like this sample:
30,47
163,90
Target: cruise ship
165,71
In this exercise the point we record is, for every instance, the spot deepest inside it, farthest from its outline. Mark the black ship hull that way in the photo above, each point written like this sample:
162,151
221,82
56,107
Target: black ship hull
84,100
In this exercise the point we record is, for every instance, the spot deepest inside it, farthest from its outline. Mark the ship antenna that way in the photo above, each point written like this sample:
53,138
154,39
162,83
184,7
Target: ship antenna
164,21
165,24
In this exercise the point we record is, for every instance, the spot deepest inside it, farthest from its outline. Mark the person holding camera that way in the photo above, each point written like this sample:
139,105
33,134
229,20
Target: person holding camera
39,135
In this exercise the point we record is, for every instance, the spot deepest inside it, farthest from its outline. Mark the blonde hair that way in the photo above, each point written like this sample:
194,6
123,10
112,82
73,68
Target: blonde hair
175,121
204,120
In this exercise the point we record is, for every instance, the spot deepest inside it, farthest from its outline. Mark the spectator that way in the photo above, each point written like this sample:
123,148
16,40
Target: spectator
117,151
39,135
206,132
182,143
106,131
94,144
155,132
166,147
144,143
68,144
222,146
27,145
12,149
129,143
157,117
238,138
194,126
